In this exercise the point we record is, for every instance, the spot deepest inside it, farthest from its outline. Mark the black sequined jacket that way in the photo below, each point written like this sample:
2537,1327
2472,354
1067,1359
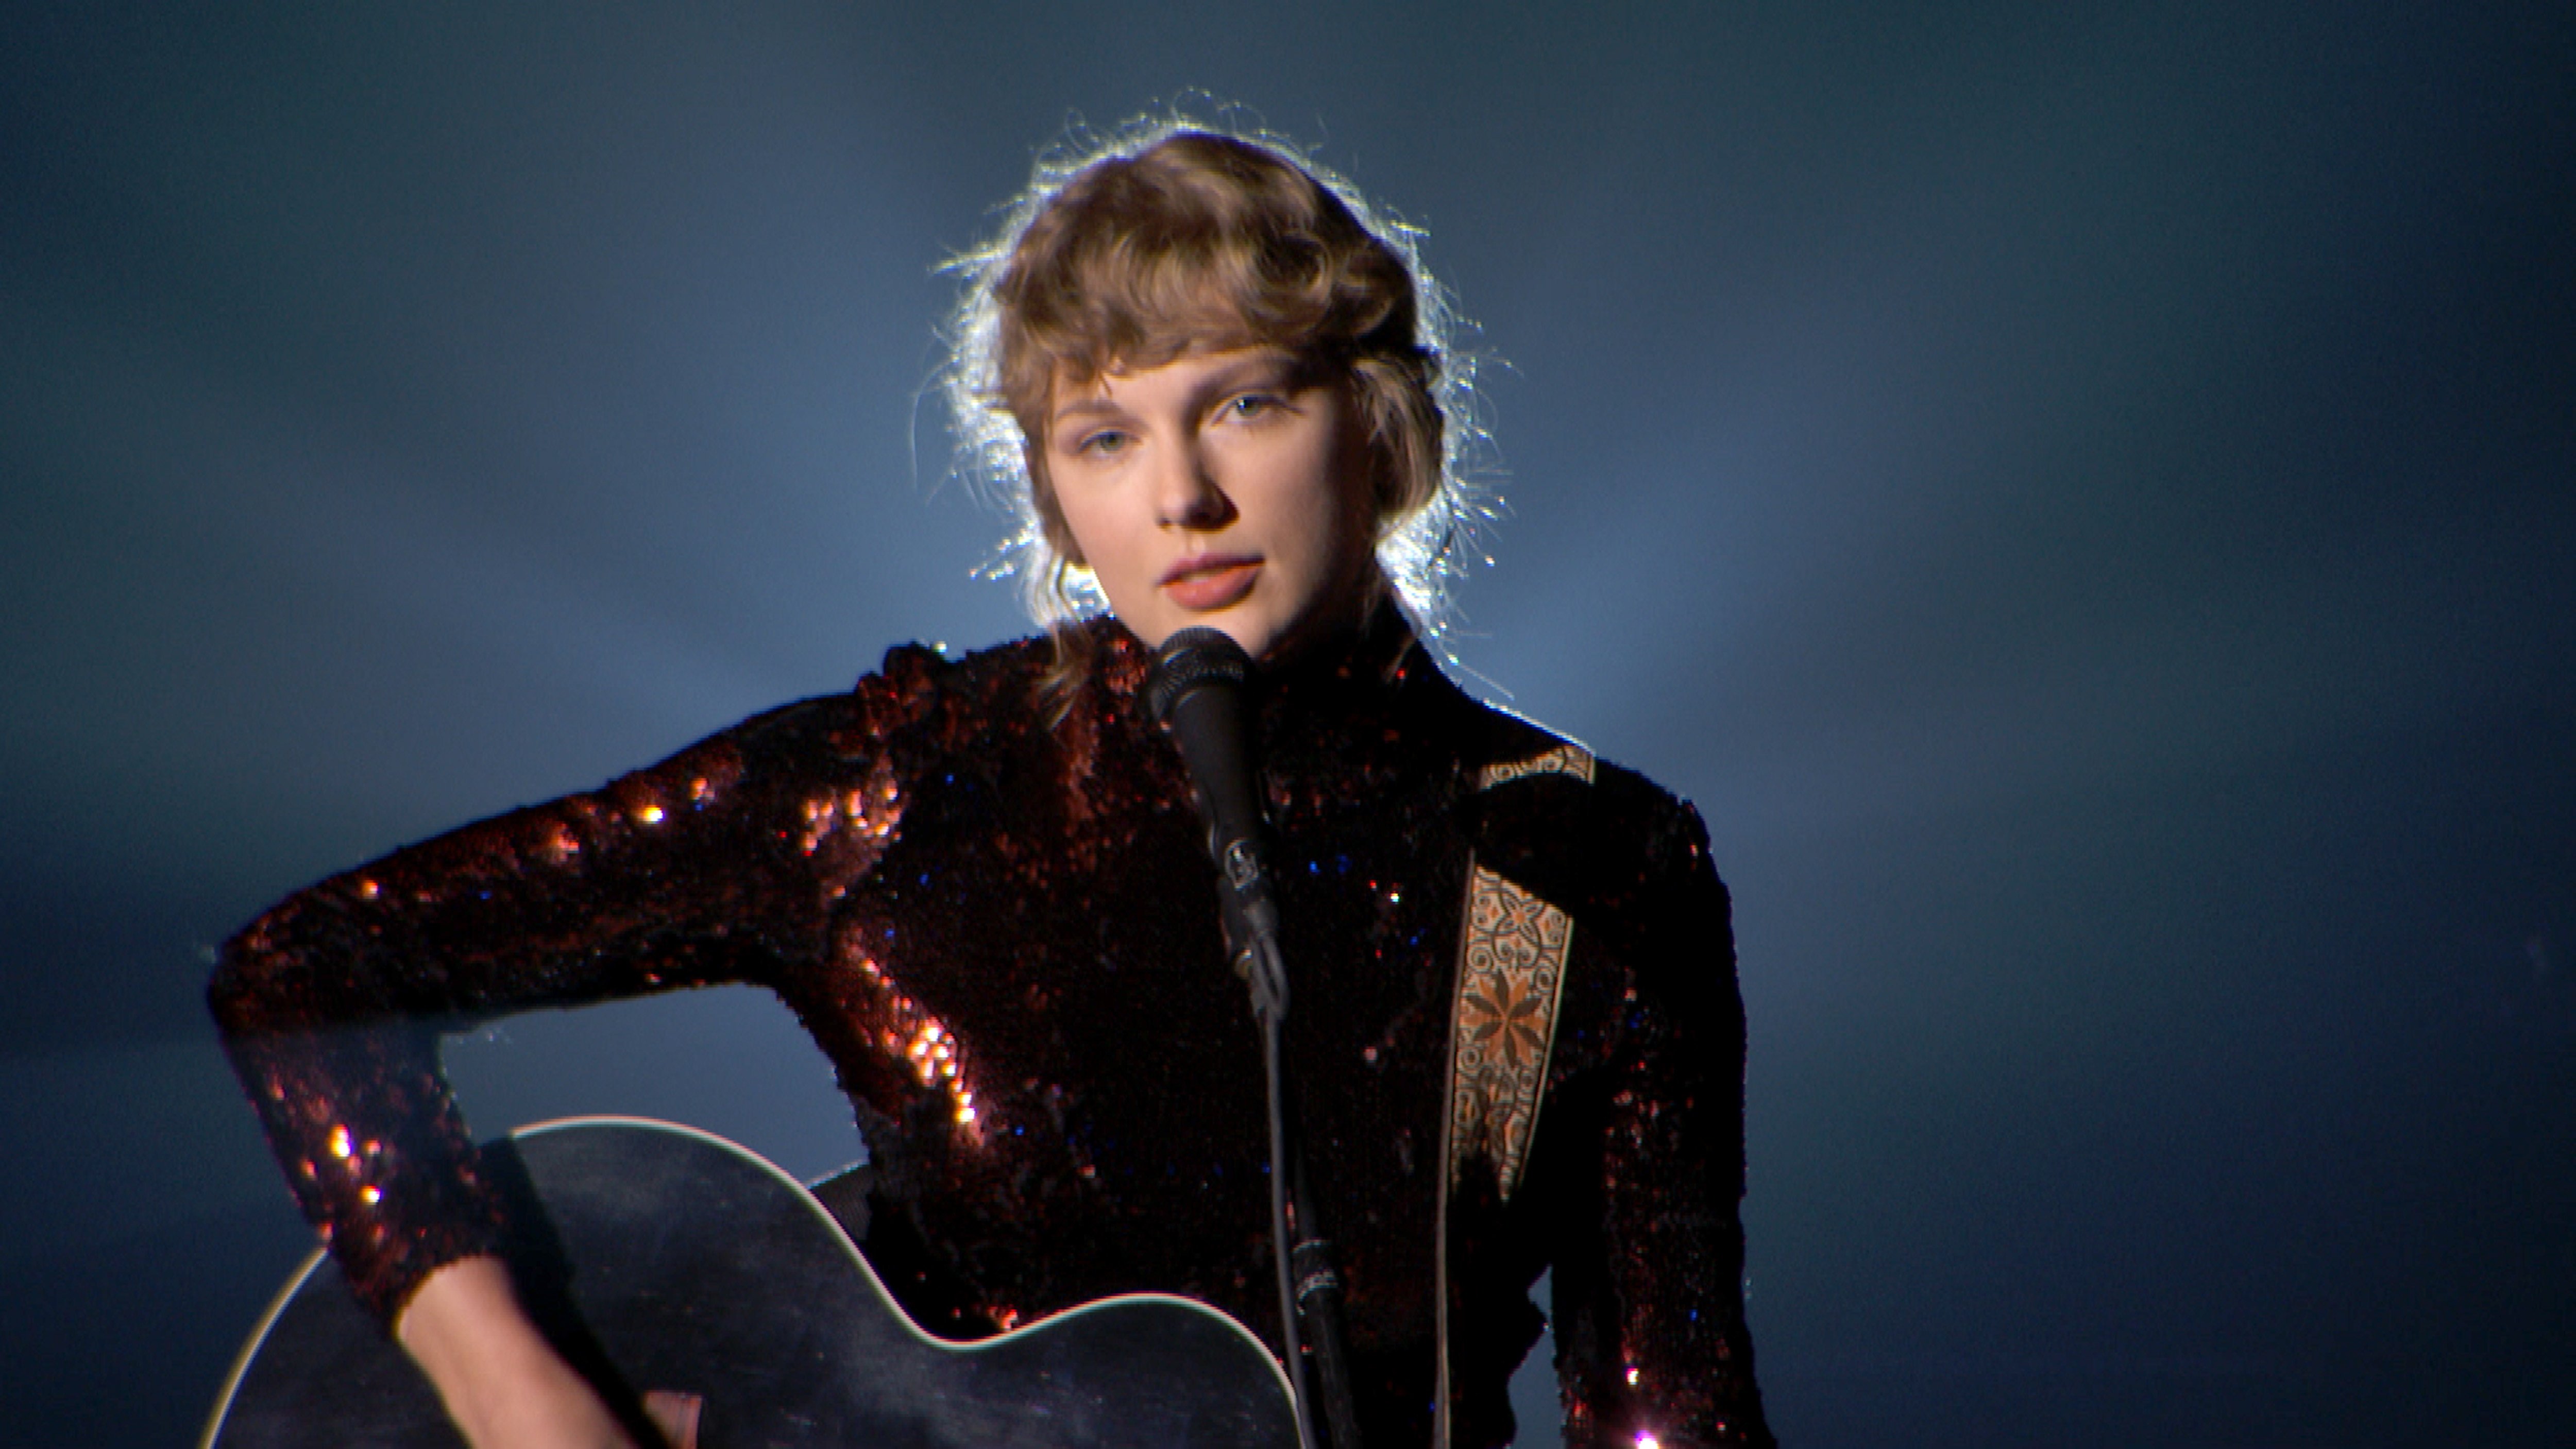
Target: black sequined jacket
1001,929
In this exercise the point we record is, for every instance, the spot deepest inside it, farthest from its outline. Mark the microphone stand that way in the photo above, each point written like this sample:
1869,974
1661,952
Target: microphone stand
1196,690
1309,1287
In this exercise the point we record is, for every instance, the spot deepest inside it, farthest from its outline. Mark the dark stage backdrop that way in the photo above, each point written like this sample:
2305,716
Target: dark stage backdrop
2080,496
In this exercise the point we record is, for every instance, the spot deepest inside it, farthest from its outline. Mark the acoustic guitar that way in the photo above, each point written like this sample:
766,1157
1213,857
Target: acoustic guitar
660,1257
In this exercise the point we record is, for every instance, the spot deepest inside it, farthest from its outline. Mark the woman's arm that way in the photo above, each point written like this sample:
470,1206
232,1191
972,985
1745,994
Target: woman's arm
1648,1285
502,1384
713,866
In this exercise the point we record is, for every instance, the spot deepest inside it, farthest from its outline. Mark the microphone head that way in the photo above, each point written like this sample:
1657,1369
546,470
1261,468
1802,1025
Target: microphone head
1191,660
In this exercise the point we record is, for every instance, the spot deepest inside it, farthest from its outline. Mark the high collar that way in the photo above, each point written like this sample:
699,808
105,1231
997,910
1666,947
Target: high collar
1364,711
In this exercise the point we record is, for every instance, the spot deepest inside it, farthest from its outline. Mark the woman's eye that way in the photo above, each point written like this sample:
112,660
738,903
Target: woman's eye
1102,444
1251,405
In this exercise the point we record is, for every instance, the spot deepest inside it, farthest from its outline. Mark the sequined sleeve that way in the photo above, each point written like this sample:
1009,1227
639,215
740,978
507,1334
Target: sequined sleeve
1649,1305
710,867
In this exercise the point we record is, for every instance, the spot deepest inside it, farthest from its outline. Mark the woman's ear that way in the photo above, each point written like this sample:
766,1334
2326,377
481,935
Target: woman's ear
1379,456
1051,524
1059,537
1368,447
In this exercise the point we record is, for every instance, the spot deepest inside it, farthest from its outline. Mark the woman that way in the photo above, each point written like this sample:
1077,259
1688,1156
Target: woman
1208,385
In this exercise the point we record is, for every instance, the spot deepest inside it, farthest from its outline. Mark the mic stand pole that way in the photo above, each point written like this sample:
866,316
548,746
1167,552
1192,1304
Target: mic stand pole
1196,692
1309,1287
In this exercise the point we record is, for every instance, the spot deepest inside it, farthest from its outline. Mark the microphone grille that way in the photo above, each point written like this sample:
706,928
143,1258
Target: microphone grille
1188,660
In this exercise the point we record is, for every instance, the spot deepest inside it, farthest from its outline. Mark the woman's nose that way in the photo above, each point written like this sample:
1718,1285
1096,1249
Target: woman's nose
1187,494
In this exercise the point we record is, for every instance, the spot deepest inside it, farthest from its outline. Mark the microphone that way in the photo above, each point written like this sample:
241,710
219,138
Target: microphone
1196,693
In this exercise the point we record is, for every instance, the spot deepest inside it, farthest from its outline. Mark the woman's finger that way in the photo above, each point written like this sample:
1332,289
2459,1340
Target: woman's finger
675,1414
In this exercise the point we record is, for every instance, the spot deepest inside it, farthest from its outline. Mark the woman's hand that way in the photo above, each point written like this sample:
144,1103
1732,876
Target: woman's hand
675,1414
500,1380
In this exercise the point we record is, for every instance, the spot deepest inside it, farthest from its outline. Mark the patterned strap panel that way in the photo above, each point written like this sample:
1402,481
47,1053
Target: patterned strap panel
1511,973
1502,1028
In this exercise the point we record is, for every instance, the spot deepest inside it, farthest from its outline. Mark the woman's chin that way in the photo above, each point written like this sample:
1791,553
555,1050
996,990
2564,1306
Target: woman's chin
1254,636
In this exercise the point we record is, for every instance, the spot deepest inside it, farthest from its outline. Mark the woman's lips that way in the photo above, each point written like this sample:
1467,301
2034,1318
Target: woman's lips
1203,584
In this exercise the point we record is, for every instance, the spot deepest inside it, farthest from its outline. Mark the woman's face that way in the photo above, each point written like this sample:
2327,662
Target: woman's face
1226,489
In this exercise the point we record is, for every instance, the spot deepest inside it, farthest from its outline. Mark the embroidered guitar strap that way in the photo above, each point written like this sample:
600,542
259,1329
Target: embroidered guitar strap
1512,950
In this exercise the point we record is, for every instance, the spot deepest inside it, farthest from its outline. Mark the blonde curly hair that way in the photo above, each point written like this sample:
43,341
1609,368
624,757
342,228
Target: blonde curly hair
1171,237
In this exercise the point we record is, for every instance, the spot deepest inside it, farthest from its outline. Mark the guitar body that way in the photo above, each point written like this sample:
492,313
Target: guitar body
657,1257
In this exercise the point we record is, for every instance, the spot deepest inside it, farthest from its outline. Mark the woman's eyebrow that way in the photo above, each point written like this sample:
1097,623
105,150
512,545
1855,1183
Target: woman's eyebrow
1094,405
1273,374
